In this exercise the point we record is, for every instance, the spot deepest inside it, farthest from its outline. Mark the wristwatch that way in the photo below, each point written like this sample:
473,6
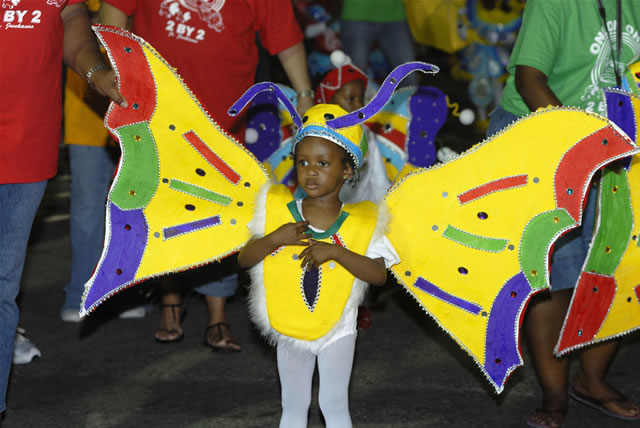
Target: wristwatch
307,93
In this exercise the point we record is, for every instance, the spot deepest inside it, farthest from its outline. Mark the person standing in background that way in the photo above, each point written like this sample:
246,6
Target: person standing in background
365,22
36,37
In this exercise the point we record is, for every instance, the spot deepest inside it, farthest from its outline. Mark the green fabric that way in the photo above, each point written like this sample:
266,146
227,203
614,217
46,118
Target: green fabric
199,192
494,245
566,40
616,224
136,185
535,243
373,10
297,216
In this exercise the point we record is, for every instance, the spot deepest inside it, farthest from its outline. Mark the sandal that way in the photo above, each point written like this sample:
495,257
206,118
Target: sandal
219,343
601,404
173,330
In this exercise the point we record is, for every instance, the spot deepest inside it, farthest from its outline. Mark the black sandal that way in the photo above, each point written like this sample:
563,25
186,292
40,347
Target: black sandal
219,338
173,330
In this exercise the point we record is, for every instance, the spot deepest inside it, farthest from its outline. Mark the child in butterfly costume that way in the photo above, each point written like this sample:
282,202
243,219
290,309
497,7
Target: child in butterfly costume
310,260
185,193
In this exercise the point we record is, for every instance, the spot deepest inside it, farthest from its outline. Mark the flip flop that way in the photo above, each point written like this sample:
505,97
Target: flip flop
600,404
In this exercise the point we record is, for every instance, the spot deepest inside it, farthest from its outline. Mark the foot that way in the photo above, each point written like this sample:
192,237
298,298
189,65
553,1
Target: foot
24,350
170,329
551,414
541,418
70,315
218,337
605,398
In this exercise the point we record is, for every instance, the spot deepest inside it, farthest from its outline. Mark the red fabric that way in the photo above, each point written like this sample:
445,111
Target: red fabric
213,43
140,96
594,295
31,88
578,163
336,79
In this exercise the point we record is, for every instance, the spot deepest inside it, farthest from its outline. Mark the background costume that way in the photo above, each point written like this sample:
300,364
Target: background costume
213,46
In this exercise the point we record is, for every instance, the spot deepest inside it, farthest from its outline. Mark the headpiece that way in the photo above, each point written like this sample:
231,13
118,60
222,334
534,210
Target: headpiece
343,73
330,121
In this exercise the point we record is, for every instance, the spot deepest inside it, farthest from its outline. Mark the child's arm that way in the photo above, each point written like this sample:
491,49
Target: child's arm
287,234
362,267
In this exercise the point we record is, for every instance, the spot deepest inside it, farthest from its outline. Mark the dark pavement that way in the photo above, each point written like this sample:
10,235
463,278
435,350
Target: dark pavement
108,372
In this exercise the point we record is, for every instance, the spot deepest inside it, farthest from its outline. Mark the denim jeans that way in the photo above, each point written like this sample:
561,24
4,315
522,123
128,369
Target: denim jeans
571,249
394,38
18,206
92,170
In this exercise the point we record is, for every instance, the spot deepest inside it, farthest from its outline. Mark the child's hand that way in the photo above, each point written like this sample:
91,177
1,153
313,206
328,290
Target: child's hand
291,234
317,253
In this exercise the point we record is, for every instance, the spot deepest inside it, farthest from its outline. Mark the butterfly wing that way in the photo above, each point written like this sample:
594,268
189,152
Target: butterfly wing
176,202
474,234
606,301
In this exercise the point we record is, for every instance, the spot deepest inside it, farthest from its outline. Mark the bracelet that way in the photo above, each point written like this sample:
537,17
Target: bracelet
307,93
93,70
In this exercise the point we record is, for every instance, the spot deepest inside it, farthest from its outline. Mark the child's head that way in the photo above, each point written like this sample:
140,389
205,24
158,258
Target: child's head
346,145
344,85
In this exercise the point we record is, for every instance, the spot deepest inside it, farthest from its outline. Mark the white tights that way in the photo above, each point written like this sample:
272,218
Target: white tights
296,369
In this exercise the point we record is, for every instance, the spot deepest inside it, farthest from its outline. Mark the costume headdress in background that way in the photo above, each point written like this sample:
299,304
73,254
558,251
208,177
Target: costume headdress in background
343,73
474,234
331,121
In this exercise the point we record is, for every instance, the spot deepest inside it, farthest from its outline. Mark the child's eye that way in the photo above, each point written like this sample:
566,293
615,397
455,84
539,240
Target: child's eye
323,163
303,163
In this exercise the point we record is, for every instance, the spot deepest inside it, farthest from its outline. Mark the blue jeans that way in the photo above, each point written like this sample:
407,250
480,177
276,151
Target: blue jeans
92,170
18,206
571,249
394,38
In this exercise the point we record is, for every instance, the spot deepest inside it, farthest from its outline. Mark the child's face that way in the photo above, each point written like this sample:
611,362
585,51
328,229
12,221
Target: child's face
321,167
350,97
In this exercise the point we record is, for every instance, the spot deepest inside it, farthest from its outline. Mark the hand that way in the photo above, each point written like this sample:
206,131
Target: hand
304,103
104,81
291,234
317,253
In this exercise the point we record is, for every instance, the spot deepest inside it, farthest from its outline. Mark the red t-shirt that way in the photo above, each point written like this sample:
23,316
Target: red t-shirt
213,43
31,34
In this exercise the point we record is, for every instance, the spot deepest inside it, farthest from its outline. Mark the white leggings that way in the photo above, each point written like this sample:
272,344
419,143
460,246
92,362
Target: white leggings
296,369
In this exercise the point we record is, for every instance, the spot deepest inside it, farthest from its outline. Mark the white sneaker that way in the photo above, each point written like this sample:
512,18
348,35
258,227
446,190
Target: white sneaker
24,350
70,315
137,312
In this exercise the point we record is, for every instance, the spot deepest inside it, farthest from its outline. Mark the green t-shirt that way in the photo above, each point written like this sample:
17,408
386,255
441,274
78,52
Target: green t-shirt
373,10
567,41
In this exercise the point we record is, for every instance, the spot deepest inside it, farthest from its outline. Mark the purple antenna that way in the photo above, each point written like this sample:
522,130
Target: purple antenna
383,95
246,98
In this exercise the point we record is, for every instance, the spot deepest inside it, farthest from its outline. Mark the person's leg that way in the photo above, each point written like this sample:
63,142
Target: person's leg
218,333
171,312
357,38
544,318
590,382
92,170
295,368
396,43
18,205
546,313
334,366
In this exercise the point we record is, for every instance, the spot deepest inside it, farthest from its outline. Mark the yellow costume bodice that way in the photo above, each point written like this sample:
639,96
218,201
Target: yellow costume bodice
310,314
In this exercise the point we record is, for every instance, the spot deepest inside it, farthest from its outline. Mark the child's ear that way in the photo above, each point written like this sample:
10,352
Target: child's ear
348,171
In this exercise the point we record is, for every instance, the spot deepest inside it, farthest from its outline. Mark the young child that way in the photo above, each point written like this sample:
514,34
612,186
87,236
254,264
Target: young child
345,86
311,259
